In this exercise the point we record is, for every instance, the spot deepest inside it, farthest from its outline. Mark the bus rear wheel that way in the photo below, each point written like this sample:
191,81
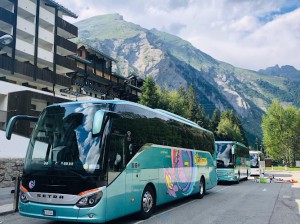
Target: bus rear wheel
148,202
201,188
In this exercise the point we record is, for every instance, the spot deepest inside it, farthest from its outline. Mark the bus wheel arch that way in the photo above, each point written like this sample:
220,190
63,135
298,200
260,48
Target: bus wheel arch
148,201
202,189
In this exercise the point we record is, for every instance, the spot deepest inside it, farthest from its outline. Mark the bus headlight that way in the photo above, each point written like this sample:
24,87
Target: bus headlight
23,197
90,200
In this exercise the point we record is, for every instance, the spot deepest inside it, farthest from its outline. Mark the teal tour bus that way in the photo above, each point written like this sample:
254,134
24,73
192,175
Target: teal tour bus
232,161
94,161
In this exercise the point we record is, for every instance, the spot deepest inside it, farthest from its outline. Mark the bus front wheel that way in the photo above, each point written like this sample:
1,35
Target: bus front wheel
147,203
201,188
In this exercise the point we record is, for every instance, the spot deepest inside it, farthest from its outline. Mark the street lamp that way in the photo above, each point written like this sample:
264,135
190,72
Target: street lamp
5,40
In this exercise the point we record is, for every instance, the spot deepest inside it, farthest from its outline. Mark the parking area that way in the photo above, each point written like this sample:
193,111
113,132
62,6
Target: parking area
247,202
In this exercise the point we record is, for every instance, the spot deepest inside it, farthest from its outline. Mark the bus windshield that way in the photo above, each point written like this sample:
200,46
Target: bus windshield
224,155
62,140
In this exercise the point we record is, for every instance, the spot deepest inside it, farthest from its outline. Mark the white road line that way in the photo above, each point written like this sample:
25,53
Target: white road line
222,189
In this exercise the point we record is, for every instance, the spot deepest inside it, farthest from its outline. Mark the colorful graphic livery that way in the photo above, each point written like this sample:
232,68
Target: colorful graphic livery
99,160
232,161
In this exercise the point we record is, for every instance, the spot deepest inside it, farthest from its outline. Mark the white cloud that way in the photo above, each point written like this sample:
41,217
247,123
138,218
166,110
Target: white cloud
246,33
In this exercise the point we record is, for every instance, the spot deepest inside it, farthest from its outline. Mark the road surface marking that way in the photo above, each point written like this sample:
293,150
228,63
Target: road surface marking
222,189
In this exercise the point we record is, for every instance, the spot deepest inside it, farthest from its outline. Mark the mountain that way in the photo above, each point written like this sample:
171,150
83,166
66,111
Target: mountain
286,71
175,62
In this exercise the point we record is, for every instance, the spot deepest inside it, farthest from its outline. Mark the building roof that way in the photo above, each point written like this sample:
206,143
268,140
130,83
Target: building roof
95,51
139,78
66,11
80,59
119,76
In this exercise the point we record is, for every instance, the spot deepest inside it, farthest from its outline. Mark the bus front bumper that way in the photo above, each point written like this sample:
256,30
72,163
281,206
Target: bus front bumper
69,213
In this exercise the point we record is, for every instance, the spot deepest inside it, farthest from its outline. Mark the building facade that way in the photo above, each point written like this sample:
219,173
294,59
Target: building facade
38,54
94,77
51,68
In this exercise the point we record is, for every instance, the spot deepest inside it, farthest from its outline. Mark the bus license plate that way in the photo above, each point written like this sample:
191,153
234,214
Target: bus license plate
49,212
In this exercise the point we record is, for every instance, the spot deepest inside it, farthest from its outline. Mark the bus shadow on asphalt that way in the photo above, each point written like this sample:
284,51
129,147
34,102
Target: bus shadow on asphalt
228,183
160,210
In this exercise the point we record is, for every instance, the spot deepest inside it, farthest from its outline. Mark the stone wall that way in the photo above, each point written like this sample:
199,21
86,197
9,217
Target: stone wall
10,168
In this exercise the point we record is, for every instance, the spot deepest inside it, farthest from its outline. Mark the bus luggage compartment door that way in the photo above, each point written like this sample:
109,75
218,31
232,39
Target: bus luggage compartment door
133,188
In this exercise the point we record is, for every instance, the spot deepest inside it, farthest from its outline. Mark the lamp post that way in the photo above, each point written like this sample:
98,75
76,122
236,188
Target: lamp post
5,40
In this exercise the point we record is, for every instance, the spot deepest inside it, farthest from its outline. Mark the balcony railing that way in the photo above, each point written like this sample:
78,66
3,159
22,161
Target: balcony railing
66,44
5,62
66,62
68,27
63,80
7,16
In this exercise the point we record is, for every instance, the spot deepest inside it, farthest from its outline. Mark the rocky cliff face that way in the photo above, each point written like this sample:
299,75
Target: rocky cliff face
175,62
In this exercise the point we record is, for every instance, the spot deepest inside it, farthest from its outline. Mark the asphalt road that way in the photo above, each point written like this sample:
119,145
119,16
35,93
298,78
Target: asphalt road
247,202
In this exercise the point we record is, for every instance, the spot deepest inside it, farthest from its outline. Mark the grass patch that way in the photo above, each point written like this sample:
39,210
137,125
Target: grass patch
283,168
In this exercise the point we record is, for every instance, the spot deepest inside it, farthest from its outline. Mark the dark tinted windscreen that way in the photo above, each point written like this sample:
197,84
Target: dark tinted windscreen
254,162
62,139
224,155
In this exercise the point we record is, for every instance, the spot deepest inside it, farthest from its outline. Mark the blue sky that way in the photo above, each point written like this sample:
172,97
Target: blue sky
250,34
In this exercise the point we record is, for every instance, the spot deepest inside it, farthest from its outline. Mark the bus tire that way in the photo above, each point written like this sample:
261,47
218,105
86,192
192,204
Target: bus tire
201,188
238,178
247,175
148,202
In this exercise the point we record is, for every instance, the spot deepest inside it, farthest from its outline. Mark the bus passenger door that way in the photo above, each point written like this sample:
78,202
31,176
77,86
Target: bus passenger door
116,189
133,191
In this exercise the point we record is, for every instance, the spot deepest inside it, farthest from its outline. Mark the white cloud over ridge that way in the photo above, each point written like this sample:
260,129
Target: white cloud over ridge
245,33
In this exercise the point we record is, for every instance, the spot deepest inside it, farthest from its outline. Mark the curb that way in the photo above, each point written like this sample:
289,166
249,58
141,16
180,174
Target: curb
6,212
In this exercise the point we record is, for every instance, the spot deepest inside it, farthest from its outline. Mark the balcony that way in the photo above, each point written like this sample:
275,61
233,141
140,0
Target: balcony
26,8
63,80
64,64
65,29
65,47
7,16
46,16
25,28
5,62
24,68
7,4
27,69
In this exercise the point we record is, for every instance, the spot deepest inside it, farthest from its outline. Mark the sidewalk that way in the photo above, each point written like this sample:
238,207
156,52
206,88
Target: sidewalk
6,200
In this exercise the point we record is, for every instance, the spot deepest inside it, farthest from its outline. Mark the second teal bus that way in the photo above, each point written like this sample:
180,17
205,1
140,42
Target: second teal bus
232,161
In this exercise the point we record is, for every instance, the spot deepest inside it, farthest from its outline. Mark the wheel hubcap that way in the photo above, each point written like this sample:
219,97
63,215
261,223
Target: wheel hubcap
201,187
147,201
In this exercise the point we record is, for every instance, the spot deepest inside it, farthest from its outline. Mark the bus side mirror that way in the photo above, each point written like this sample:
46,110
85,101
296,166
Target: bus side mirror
97,122
99,118
13,121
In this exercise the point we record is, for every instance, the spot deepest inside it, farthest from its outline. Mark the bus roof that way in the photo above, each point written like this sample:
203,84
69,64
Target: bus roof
159,111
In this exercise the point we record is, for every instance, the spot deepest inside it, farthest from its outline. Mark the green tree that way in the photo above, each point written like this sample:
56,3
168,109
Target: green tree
215,120
195,111
281,132
150,93
228,131
230,128
256,144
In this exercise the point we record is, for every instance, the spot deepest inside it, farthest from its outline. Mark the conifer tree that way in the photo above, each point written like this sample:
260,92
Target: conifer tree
150,93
